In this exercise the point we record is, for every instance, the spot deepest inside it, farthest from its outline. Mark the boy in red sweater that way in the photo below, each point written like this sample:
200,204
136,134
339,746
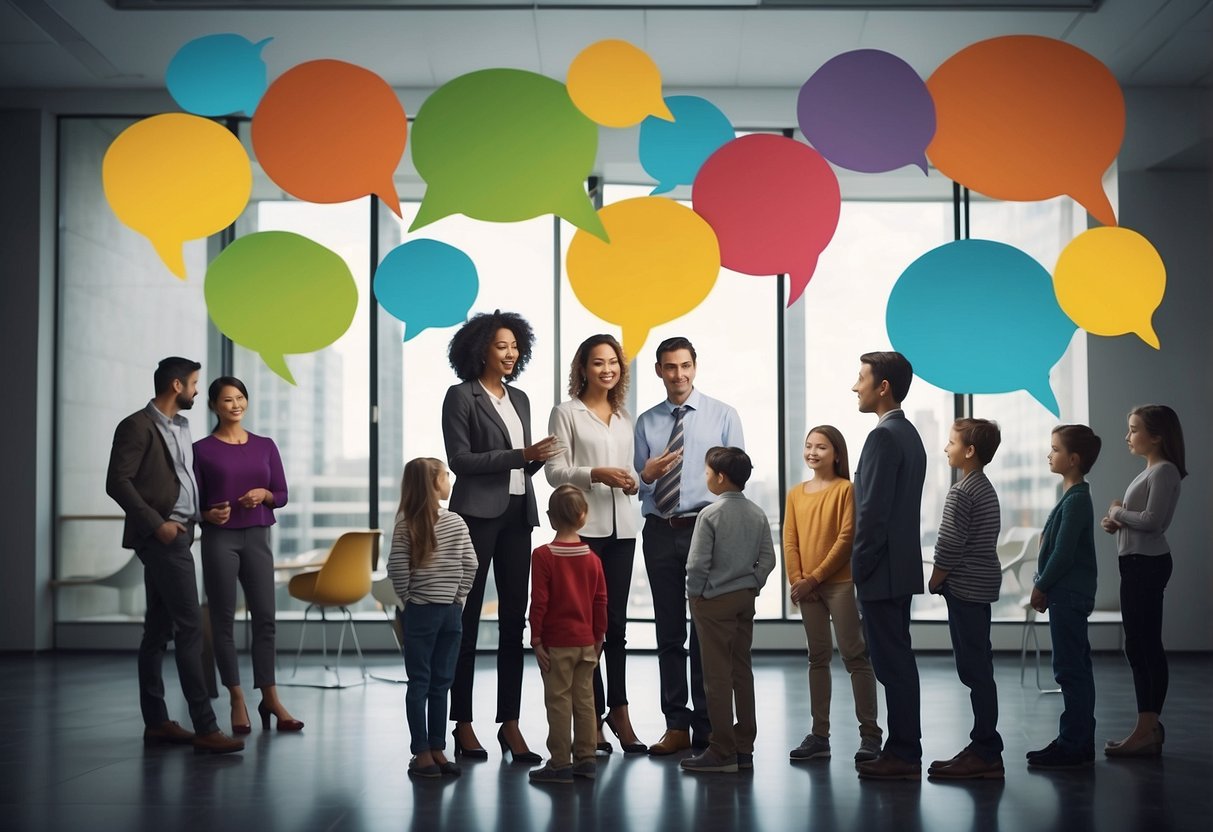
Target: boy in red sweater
568,625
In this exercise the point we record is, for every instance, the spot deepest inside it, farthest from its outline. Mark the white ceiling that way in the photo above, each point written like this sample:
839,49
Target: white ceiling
87,44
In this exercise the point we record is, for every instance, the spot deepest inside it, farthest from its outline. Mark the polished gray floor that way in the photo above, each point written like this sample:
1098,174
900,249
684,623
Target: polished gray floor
71,759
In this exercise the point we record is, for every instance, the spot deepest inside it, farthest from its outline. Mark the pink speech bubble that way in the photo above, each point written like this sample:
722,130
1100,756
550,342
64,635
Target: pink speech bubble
773,203
328,131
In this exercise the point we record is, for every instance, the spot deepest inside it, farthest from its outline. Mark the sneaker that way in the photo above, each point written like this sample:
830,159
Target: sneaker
586,768
710,761
745,761
869,749
547,774
812,747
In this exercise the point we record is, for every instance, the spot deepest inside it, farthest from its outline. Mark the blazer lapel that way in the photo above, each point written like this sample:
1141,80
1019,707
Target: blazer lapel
481,397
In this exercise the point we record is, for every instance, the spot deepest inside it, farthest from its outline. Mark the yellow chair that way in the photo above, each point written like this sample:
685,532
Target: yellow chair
343,580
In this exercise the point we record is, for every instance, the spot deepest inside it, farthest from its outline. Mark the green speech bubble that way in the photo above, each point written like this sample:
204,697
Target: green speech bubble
504,145
278,293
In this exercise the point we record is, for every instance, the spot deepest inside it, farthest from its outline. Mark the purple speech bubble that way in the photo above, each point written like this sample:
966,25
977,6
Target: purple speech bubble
867,111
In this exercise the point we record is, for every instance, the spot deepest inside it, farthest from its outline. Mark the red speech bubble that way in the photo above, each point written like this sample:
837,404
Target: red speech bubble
773,203
328,131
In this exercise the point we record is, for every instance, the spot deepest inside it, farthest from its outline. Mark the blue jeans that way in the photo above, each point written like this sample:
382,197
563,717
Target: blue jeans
431,646
1068,612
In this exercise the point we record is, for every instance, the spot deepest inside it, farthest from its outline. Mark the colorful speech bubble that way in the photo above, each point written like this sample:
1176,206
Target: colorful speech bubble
328,131
661,263
1110,281
1026,118
672,153
426,283
278,293
774,205
176,177
867,111
217,74
616,84
1021,334
504,145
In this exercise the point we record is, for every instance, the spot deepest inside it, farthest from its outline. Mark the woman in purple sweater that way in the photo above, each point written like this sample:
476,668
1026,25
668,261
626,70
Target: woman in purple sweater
240,483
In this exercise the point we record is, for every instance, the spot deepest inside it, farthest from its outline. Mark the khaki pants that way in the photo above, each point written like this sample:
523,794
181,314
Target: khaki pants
568,693
726,635
836,601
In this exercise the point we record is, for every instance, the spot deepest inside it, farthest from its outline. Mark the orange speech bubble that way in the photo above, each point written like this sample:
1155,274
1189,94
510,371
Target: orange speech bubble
1026,118
328,131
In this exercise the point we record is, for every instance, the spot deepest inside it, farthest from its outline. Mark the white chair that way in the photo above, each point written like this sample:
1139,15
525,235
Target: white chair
1027,569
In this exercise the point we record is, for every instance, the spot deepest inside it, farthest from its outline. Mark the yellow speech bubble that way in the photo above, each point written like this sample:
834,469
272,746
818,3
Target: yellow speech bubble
662,261
176,177
1109,281
616,84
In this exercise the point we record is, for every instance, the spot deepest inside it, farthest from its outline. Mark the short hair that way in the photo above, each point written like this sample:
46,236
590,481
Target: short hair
674,344
982,434
173,368
842,463
1161,421
892,367
566,506
734,463
469,344
579,368
212,393
1081,440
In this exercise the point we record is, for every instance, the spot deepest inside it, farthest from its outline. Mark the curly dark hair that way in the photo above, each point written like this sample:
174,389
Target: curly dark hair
469,344
577,380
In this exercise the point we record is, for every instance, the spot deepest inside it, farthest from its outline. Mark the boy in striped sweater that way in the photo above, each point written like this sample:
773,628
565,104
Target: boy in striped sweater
968,575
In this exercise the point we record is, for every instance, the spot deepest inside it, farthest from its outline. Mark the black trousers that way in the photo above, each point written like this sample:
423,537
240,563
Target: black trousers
1142,581
886,627
173,613
969,625
228,556
617,556
504,542
665,560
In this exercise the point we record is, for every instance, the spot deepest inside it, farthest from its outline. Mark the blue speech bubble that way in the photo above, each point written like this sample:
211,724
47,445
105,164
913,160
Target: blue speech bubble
976,316
426,283
672,152
217,75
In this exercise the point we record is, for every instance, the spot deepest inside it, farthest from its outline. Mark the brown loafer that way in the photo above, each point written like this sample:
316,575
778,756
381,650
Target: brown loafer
969,765
889,767
216,742
671,741
167,733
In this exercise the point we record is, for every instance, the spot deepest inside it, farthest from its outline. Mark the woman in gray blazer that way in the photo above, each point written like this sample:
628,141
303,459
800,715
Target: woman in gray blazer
486,425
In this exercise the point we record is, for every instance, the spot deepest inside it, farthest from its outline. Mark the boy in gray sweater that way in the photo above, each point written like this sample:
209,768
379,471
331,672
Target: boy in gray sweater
730,558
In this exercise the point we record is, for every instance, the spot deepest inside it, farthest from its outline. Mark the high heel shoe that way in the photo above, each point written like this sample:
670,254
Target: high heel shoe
242,728
636,747
516,756
467,753
283,724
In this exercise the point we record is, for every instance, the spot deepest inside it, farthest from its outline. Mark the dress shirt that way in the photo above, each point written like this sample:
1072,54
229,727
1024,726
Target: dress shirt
513,425
176,433
707,423
588,443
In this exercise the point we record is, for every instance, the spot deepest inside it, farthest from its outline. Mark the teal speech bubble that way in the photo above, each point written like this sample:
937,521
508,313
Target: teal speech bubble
216,75
976,316
278,294
426,283
504,145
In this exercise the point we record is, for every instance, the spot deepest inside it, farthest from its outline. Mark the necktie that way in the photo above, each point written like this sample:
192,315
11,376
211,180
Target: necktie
669,485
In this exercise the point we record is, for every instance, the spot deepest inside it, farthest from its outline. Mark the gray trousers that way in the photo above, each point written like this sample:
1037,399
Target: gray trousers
229,555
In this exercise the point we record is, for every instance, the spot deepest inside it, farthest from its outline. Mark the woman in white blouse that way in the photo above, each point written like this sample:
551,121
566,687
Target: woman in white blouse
595,435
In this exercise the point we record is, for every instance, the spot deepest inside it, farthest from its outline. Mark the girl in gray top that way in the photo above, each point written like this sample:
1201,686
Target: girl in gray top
1140,522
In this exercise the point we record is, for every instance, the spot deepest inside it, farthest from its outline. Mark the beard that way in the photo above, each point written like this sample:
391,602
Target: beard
184,402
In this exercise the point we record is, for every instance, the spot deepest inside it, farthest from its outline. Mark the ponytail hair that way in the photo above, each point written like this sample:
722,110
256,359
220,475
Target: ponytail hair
419,506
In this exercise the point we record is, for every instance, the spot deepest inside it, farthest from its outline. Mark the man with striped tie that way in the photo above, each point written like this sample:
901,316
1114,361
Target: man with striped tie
671,441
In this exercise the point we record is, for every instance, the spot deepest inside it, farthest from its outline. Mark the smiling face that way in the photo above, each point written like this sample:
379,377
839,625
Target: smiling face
601,370
819,454
230,405
956,450
867,389
501,355
1139,440
677,372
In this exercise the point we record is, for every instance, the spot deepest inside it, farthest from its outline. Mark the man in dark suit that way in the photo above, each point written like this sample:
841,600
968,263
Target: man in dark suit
886,558
151,476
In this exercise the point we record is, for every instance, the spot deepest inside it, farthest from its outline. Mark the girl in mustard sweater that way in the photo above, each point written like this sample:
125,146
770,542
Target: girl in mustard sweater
818,528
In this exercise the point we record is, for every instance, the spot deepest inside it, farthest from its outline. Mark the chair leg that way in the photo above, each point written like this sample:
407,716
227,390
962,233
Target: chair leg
391,622
324,638
357,646
302,629
1040,687
1023,648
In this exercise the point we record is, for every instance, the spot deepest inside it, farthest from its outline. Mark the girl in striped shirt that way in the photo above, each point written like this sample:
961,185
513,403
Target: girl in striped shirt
432,565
